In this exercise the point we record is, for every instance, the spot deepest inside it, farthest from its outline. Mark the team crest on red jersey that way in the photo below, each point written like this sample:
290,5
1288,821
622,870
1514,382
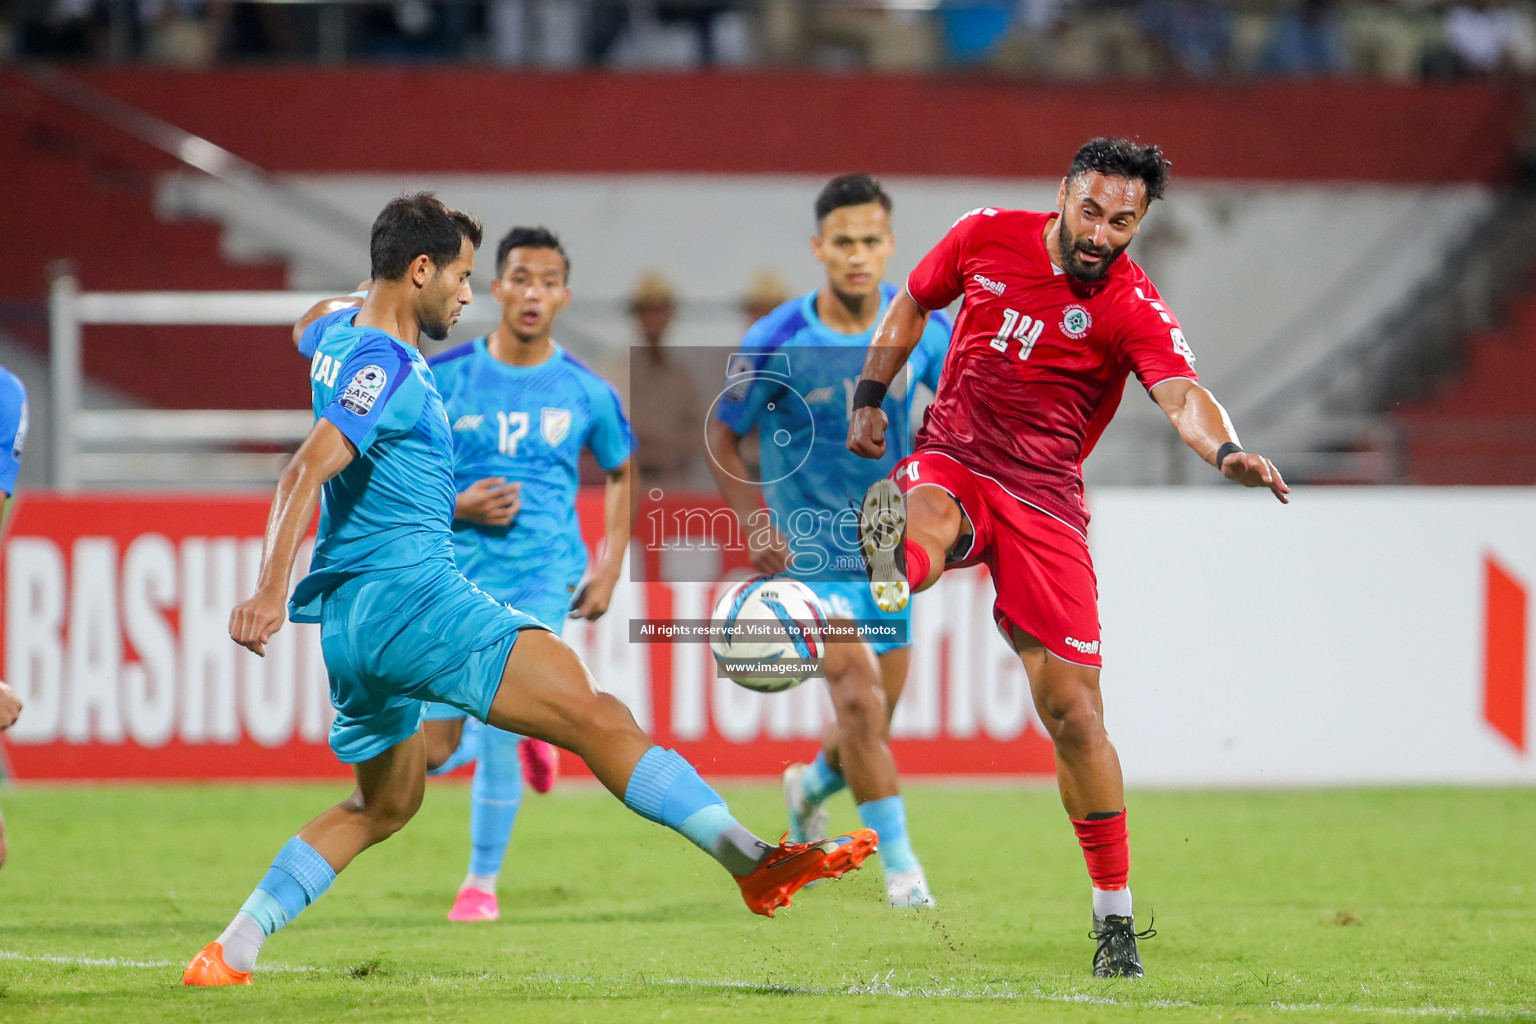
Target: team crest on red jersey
1076,321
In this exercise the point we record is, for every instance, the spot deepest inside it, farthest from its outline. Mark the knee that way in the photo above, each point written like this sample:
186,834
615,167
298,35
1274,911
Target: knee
1072,720
387,813
860,709
442,739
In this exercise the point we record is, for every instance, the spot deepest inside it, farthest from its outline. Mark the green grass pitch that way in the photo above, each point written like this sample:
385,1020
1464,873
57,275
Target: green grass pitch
1271,906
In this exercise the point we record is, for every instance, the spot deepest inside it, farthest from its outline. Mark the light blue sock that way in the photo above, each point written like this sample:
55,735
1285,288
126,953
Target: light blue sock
298,876
666,789
888,817
466,751
494,798
822,780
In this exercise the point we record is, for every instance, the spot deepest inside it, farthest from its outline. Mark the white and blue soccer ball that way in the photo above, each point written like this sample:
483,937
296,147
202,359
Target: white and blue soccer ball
769,633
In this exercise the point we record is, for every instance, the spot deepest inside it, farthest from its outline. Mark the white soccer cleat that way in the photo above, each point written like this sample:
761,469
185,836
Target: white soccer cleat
908,890
808,822
882,529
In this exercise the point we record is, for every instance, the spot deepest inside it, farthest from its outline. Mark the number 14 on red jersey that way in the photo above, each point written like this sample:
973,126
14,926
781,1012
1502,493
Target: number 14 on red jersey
1020,328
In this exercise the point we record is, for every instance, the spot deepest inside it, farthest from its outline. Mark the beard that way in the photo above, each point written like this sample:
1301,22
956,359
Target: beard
434,325
1088,273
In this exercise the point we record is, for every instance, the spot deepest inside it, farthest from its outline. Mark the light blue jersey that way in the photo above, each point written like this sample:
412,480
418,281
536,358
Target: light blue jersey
529,425
400,625
793,379
392,506
13,429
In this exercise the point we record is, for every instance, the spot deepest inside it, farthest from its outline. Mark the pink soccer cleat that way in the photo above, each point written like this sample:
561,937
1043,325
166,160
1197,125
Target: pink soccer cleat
541,764
474,905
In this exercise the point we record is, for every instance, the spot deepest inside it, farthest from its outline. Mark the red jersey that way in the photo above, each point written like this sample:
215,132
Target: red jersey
1038,359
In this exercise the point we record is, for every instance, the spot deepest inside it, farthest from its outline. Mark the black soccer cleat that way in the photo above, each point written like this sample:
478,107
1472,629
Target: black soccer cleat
1116,956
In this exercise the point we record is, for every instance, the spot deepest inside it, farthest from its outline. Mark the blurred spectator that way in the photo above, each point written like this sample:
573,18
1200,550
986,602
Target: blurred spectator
1490,38
843,37
549,33
1305,40
766,293
974,28
659,394
1194,37
1388,38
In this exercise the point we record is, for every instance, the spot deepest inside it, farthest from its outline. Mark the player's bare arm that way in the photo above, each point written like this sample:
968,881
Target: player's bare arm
325,307
765,545
1203,425
324,453
897,334
10,707
620,494
492,501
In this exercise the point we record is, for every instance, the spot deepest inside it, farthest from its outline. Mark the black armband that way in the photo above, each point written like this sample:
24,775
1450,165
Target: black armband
869,393
1230,448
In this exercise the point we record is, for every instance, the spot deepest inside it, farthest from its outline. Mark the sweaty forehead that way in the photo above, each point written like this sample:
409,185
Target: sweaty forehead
535,261
1112,194
856,221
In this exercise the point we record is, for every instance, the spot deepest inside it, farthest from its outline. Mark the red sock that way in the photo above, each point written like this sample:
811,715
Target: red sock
917,564
1107,849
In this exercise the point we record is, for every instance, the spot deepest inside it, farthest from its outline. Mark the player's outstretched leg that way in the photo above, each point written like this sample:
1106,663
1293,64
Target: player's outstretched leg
860,701
388,794
903,539
494,798
1088,774
546,692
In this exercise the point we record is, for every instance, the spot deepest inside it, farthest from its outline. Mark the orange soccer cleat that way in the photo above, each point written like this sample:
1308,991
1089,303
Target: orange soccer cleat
209,968
789,867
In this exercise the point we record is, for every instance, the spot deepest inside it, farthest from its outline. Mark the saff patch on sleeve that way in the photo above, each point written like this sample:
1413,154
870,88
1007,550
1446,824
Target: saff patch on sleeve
364,389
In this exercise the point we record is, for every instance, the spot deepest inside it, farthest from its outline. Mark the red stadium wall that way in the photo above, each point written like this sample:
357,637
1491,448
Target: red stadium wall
115,613
85,191
477,120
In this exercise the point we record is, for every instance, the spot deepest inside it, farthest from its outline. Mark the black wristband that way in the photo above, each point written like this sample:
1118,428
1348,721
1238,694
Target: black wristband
1230,448
869,393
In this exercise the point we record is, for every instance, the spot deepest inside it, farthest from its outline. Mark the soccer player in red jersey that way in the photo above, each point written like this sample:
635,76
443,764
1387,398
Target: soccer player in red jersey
1054,319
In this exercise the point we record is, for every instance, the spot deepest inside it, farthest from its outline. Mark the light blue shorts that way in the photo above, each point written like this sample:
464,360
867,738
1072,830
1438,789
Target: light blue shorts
549,609
397,639
851,599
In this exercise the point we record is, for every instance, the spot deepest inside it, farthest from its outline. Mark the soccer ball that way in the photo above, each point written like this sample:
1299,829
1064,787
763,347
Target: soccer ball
766,632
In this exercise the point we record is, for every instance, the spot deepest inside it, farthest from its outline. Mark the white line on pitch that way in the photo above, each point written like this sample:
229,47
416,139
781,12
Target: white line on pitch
114,961
875,987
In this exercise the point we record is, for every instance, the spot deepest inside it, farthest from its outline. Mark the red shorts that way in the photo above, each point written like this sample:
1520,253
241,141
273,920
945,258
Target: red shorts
1040,566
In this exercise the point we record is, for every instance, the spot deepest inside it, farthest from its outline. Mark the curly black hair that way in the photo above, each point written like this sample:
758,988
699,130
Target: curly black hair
1122,158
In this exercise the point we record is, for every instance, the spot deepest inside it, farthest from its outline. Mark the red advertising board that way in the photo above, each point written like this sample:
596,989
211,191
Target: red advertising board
115,611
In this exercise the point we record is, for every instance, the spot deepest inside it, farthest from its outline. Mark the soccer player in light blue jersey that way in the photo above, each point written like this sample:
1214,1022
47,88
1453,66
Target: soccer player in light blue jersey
793,379
522,409
13,438
401,627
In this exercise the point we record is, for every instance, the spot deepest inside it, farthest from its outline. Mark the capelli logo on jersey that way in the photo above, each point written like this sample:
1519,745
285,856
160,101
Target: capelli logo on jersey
1083,646
468,422
995,287
1076,321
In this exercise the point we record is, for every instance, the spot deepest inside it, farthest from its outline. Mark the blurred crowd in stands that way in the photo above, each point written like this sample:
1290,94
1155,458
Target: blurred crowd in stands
1061,39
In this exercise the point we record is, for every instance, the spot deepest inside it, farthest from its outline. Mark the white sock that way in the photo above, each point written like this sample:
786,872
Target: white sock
1111,901
485,883
242,942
